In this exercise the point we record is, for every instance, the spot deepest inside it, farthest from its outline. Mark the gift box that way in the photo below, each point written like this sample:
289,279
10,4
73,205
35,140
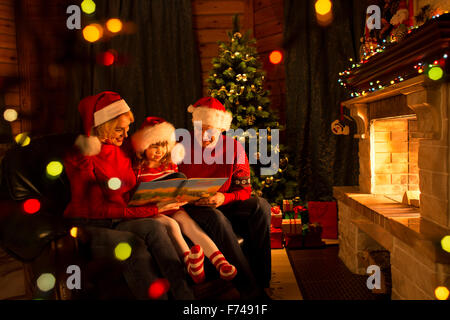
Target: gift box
324,213
276,217
293,241
291,226
276,238
311,236
288,205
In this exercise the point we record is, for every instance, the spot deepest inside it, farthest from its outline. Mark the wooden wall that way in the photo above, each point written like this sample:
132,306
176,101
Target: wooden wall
213,18
8,58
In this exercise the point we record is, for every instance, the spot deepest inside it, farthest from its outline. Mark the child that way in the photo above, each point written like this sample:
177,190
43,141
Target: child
154,144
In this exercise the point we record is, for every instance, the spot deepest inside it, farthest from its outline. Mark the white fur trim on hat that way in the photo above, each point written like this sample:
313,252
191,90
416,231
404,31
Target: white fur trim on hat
147,136
89,146
212,117
178,153
110,112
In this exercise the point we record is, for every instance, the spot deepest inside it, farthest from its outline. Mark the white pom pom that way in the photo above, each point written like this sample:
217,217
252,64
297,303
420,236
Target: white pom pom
177,153
89,146
191,109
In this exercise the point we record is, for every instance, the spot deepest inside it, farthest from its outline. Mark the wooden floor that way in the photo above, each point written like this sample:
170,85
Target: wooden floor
283,285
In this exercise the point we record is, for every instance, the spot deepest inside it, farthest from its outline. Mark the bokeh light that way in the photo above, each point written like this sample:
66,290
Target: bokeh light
276,57
435,73
106,58
31,206
323,7
158,288
445,243
22,139
46,282
74,232
88,6
55,168
114,25
114,183
10,115
441,293
93,32
122,251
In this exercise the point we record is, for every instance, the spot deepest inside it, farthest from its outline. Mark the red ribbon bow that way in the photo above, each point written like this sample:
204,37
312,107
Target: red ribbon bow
275,210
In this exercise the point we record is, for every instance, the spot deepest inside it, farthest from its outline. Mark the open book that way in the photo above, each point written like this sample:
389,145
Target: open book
175,187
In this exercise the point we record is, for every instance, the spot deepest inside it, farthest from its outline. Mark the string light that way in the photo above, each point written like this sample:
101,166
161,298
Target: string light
10,115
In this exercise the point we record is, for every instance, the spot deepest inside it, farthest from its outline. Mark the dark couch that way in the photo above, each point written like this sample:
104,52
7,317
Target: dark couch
42,240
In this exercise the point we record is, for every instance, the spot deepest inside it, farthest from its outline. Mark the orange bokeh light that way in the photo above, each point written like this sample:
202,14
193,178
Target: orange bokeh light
93,32
276,57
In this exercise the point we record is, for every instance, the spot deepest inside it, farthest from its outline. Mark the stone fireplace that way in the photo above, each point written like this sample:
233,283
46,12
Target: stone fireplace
401,205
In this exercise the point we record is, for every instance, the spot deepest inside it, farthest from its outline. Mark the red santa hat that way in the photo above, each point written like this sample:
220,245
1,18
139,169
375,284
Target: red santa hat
155,130
211,112
97,110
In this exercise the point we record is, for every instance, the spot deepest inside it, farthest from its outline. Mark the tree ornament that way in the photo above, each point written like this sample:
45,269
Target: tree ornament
237,35
259,108
250,120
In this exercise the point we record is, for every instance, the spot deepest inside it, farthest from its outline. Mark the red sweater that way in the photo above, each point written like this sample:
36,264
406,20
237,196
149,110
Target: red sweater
238,186
91,196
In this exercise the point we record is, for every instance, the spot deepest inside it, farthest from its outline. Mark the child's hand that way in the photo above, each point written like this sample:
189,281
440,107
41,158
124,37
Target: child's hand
213,201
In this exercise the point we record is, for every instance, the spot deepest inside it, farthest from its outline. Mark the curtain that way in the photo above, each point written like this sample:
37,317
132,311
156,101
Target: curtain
158,72
315,56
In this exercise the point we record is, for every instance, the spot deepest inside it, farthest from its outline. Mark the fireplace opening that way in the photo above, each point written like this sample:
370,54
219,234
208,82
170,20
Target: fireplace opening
394,159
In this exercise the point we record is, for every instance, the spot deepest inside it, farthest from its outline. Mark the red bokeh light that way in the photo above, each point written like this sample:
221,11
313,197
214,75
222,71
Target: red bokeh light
158,288
276,57
106,58
31,206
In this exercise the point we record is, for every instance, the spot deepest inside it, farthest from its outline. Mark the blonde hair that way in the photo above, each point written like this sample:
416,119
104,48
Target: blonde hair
105,131
166,160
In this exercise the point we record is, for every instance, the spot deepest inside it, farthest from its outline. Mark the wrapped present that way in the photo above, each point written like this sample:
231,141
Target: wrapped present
288,205
292,226
276,217
293,241
276,238
324,213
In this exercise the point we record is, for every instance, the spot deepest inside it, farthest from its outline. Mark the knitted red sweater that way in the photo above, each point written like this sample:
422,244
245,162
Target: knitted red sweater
91,196
238,186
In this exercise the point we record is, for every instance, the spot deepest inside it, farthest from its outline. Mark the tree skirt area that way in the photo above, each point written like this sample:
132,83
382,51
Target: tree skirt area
321,275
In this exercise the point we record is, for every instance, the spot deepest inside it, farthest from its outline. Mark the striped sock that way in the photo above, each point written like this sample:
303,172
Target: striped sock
227,271
196,262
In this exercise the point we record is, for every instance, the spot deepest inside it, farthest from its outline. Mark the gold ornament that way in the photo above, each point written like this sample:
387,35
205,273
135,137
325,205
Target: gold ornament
259,108
269,138
237,35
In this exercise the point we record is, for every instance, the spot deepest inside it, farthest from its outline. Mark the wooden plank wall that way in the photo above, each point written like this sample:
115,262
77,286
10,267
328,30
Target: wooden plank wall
268,30
211,21
8,57
213,18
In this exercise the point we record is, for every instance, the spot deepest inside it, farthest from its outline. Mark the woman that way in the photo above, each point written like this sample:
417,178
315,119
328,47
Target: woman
101,178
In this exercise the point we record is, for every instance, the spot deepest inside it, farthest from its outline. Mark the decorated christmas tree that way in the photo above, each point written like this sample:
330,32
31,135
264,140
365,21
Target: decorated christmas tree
237,80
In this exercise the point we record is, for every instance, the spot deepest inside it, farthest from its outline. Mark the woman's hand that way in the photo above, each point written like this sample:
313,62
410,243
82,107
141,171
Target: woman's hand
167,206
213,201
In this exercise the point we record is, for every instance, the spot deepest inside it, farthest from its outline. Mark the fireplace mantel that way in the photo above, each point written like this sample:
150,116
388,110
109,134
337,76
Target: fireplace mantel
427,99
